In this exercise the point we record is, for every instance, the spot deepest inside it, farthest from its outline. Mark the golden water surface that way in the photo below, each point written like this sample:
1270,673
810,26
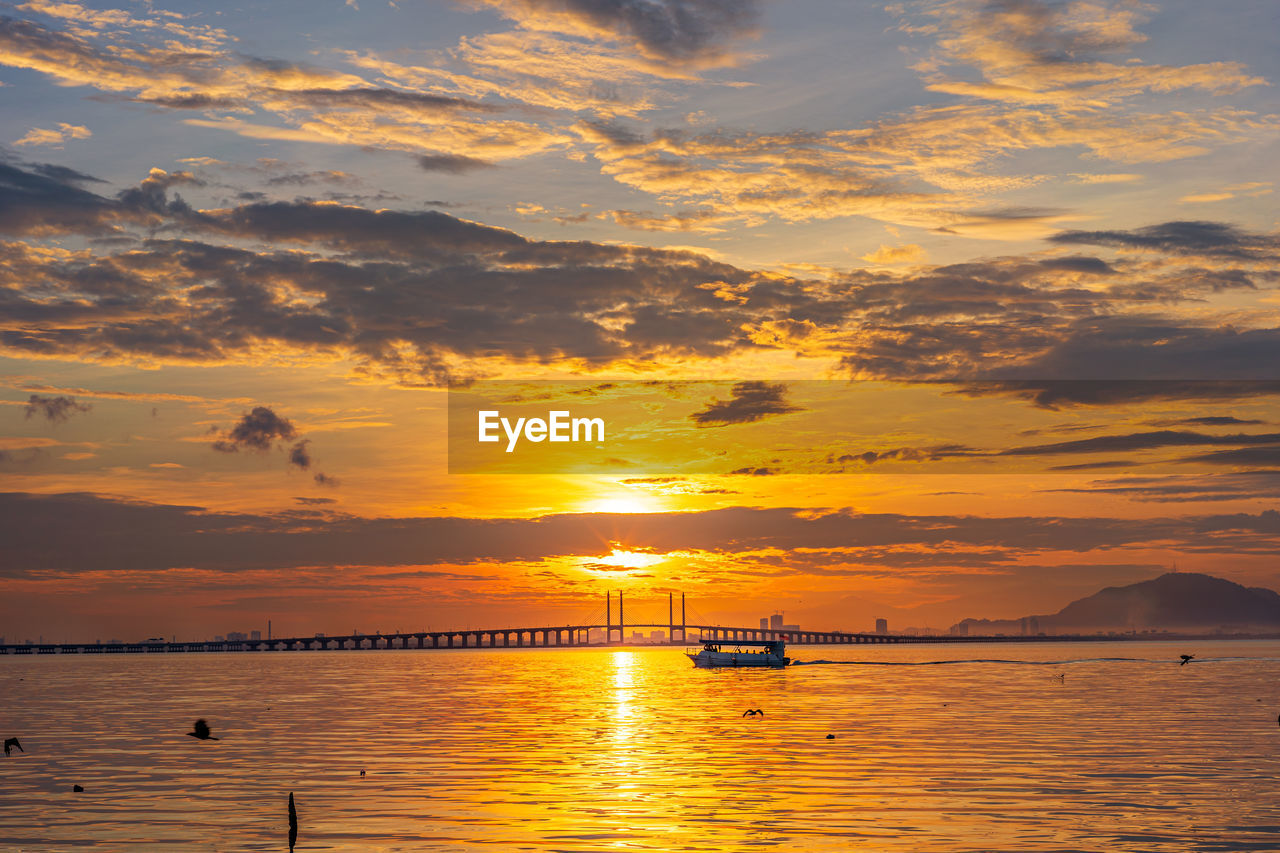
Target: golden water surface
936,748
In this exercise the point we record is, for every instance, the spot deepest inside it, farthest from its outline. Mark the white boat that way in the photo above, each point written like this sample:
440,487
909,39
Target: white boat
740,653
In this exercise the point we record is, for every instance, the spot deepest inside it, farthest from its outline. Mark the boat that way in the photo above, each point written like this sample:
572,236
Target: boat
769,653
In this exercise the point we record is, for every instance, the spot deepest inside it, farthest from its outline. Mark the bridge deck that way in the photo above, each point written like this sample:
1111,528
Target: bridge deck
555,636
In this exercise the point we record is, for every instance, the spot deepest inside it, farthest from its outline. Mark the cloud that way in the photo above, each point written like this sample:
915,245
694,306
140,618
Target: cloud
906,454
418,297
1054,394
258,430
1209,420
40,136
1144,441
689,31
748,402
1041,52
109,530
55,410
889,255
453,164
323,479
1210,239
310,103
1216,488
299,456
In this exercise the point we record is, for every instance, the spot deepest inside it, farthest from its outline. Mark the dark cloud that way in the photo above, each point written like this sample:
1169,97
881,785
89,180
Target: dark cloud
1253,457
1095,466
125,536
259,430
299,455
906,454
1143,441
55,410
195,101
44,200
1209,420
748,402
454,164
756,472
1214,239
152,194
324,176
1216,488
1079,263
406,293
63,174
323,479
679,30
1055,394
315,501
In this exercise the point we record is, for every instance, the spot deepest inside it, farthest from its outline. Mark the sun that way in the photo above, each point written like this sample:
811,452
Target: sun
624,559
623,505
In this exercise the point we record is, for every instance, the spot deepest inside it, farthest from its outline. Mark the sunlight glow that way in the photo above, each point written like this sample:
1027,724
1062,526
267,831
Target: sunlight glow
631,559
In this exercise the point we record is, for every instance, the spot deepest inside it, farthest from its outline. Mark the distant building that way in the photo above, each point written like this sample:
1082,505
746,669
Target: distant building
882,626
596,635
255,635
764,623
236,637
775,621
658,636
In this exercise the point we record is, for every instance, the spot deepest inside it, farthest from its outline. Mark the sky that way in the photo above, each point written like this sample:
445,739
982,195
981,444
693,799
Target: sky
919,310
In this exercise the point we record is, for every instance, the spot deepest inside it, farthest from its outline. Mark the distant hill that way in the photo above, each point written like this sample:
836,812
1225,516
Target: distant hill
1178,601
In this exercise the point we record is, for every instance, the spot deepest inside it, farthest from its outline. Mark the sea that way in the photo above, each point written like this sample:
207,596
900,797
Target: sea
1086,746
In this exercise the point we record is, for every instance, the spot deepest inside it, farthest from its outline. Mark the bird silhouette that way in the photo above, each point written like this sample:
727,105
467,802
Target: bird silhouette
361,774
750,713
200,731
77,789
10,743
1186,659
831,737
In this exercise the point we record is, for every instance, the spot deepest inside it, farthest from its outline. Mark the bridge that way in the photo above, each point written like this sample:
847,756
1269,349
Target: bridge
554,636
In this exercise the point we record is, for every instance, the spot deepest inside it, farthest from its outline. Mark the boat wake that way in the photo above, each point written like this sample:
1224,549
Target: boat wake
980,660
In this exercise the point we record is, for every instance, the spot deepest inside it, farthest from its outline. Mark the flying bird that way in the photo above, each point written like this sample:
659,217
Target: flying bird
200,731
1186,659
10,743
751,713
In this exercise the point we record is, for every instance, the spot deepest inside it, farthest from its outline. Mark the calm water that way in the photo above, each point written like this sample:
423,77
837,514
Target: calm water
634,750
